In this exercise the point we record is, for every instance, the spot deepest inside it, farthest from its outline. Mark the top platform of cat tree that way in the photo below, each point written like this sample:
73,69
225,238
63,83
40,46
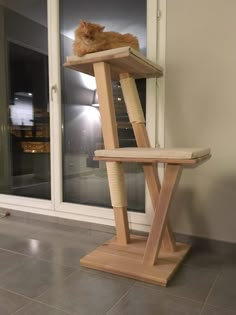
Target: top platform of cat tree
121,60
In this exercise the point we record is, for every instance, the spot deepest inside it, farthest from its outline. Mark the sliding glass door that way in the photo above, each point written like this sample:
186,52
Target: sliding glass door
84,180
49,115
24,102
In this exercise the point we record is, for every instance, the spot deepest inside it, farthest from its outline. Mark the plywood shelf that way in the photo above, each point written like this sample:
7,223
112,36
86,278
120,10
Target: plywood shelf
119,59
153,160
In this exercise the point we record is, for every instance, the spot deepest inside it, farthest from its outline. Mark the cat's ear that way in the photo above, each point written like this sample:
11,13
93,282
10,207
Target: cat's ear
82,23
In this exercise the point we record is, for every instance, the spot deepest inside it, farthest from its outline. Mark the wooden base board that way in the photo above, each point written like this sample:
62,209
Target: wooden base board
127,260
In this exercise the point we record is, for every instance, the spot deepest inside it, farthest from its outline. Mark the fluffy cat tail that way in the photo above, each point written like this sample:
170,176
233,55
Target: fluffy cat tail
131,40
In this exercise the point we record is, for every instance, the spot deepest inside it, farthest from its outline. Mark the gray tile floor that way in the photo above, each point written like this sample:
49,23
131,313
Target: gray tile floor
40,275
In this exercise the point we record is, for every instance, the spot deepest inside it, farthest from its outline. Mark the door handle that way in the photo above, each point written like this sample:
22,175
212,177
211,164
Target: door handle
53,90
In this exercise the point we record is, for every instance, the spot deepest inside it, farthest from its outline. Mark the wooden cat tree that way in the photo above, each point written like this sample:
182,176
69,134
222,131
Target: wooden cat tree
155,258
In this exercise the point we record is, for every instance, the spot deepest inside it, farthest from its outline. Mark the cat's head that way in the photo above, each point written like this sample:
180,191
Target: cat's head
89,30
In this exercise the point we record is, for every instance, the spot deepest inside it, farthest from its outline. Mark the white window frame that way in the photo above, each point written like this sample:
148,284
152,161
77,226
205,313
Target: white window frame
154,116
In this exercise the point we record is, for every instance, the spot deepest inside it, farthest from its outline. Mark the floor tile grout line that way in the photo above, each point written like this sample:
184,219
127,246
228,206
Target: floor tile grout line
33,301
35,235
118,301
14,252
9,270
87,271
15,221
220,307
46,260
61,224
192,265
37,258
72,235
19,309
161,292
40,230
212,286
182,297
210,290
30,300
169,294
27,235
42,293
133,285
17,293
90,273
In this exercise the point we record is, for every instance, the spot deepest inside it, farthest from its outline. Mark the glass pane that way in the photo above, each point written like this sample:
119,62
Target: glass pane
24,108
85,180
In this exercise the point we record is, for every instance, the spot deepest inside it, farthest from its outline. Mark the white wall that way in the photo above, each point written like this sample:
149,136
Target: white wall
201,111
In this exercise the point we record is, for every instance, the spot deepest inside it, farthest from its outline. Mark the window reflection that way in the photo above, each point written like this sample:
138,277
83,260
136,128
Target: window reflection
85,180
21,112
24,136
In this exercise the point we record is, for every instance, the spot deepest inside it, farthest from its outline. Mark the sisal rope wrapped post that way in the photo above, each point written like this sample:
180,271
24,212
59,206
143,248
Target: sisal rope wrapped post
116,184
132,101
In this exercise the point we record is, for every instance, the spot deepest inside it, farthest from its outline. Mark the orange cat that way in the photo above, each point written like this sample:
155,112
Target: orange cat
90,37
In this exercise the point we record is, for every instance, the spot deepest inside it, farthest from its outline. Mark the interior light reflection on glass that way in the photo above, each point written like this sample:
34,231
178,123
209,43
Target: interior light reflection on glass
91,113
88,81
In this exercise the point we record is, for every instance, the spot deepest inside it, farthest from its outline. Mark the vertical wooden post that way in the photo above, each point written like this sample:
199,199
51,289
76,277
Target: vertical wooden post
137,120
114,169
